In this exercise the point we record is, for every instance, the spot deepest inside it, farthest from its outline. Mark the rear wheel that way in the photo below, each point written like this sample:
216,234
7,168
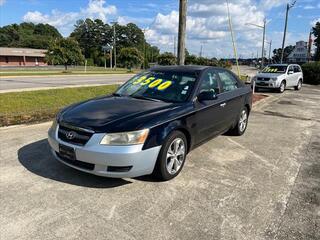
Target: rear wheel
282,87
299,85
172,156
242,123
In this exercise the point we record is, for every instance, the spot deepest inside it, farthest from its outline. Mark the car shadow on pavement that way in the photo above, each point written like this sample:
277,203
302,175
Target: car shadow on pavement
38,159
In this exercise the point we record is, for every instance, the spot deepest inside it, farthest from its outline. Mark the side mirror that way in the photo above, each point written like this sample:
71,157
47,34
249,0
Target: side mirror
290,72
207,95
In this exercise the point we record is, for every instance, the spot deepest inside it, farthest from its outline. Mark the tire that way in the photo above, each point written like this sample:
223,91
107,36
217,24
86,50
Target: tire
282,87
169,167
241,124
299,85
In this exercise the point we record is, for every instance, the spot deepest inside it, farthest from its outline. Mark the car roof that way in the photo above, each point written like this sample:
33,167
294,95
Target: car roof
182,68
280,64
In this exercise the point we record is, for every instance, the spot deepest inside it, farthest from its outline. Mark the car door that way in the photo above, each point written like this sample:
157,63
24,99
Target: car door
209,113
297,75
290,76
232,97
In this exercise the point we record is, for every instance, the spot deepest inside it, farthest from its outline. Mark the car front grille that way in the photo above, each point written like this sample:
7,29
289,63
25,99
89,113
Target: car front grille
263,79
79,136
76,163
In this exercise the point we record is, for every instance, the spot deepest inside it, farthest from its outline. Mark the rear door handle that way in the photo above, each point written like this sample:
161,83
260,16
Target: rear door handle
223,104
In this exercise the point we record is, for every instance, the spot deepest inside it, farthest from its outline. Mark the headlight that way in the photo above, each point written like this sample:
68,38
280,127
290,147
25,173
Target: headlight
54,124
125,138
274,79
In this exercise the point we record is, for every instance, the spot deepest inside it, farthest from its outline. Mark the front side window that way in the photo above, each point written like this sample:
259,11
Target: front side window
160,85
228,81
209,82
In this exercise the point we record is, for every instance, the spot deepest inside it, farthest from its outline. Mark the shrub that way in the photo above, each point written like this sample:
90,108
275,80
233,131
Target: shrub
311,73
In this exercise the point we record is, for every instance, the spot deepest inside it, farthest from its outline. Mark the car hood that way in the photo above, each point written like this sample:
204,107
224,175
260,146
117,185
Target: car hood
113,114
269,75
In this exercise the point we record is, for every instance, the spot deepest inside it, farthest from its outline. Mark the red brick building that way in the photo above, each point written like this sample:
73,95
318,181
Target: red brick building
22,57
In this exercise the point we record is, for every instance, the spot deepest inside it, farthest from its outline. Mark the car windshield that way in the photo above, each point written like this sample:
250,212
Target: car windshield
165,86
275,69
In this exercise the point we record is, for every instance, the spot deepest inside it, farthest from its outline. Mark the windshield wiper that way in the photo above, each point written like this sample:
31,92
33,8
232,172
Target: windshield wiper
145,98
116,95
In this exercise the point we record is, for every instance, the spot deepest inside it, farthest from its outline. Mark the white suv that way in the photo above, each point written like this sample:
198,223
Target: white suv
280,76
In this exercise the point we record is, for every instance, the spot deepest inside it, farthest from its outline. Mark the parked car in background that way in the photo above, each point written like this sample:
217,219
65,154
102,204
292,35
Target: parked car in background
280,77
151,122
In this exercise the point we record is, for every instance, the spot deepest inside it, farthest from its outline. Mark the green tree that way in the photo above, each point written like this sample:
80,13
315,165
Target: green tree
277,53
65,51
316,33
167,58
28,35
92,35
130,57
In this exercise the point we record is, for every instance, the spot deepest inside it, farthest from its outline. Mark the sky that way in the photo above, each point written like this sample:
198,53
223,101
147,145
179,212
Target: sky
207,22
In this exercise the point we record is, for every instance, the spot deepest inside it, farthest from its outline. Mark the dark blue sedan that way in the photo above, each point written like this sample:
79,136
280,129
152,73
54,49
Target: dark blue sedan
151,122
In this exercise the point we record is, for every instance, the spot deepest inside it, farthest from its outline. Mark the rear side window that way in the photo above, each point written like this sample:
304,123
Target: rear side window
296,69
228,81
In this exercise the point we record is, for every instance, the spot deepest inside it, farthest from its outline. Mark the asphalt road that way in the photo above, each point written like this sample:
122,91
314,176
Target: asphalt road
42,82
263,185
25,83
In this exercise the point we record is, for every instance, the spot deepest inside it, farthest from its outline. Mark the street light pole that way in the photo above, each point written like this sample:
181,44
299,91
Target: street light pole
289,6
114,45
182,31
263,27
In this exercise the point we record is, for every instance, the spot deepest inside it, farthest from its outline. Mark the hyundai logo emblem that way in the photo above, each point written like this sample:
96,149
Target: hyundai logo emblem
71,135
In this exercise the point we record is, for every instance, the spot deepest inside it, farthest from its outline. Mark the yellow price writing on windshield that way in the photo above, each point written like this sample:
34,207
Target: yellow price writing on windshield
152,82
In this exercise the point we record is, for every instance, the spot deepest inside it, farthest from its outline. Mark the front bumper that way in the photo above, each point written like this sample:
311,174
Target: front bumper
108,161
266,84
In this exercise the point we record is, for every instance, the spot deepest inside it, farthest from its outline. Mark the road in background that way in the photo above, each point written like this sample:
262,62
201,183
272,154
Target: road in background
25,83
263,185
11,84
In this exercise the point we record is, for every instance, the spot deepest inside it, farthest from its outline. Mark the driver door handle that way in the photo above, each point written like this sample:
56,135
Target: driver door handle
223,104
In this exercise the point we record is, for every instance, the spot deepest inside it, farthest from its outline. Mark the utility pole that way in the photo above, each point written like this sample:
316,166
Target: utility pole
270,44
144,49
201,47
182,31
264,36
232,38
174,46
114,45
289,6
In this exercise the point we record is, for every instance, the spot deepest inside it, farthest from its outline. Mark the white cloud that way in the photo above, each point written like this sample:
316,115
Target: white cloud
312,23
309,7
64,21
269,4
2,2
207,21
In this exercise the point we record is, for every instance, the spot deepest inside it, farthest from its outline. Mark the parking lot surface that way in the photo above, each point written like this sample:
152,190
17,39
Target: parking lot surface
263,185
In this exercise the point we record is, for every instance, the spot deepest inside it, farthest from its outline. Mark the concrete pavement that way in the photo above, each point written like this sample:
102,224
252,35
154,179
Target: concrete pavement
263,185
12,84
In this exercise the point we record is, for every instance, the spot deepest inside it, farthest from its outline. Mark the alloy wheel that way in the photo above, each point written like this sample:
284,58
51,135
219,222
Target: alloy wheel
243,120
175,155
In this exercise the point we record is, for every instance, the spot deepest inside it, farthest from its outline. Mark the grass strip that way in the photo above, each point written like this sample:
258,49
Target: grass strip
42,105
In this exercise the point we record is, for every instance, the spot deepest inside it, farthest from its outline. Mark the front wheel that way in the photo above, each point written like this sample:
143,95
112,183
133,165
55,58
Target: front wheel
299,85
282,87
172,156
